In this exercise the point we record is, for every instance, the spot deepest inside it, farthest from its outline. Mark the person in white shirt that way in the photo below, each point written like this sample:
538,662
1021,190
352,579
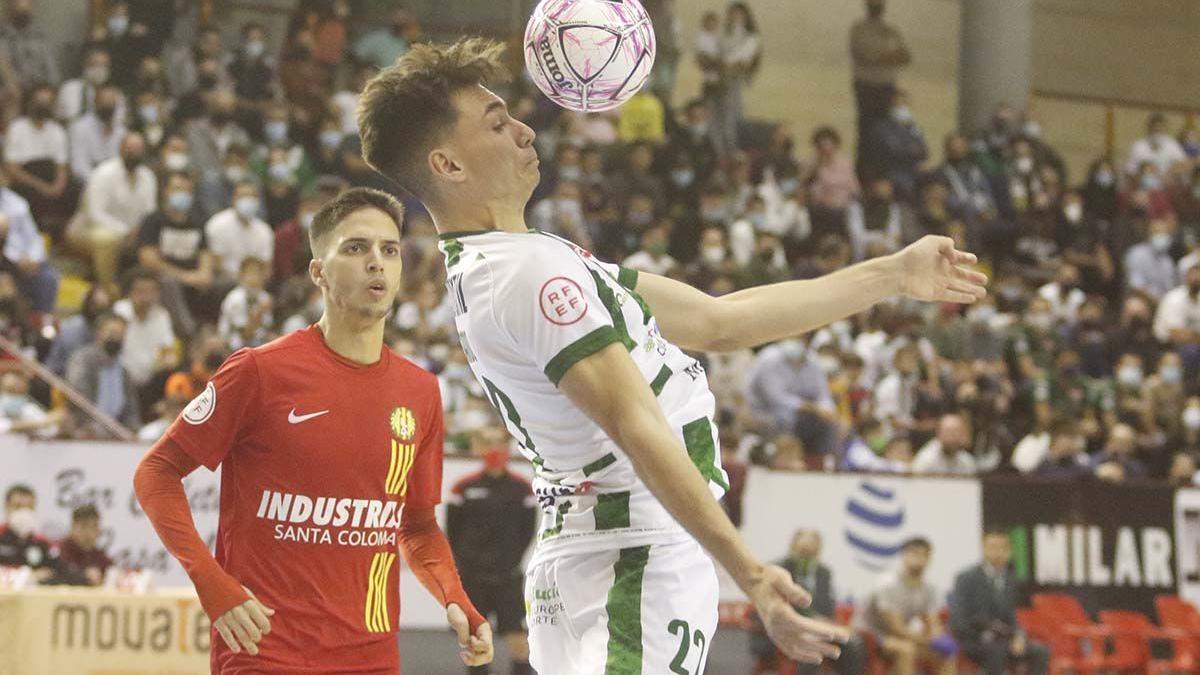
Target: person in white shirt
22,246
1177,321
1064,295
120,194
238,233
149,347
96,136
35,158
949,452
246,318
1158,147
78,96
19,413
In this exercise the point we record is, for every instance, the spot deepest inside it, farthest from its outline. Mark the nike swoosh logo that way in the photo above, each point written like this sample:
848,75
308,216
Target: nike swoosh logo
297,419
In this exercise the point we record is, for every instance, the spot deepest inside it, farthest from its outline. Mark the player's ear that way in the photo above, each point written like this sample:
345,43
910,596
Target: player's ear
444,164
316,272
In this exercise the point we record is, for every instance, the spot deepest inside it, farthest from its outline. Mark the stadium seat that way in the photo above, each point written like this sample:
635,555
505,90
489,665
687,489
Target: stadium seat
1067,653
1132,637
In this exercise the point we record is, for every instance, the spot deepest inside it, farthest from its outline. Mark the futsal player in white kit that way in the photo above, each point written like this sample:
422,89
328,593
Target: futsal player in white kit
583,361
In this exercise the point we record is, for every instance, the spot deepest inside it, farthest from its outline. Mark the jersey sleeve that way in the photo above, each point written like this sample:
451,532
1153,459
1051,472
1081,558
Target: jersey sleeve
425,479
558,311
219,416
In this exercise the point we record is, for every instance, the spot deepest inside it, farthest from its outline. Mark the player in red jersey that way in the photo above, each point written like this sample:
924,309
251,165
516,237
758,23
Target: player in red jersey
330,447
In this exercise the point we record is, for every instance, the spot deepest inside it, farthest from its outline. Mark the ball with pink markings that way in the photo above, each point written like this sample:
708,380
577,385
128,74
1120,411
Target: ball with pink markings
589,55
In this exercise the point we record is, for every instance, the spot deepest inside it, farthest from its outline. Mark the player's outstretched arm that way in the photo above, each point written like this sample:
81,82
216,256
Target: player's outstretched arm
608,388
930,269
238,616
428,555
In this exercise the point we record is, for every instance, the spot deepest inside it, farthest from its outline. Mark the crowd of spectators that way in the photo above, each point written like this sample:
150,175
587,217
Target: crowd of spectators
169,176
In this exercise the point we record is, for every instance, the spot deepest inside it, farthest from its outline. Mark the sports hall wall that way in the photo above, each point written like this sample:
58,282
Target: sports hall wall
1137,50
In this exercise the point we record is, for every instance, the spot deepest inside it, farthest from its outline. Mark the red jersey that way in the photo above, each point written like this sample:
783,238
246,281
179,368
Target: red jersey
319,457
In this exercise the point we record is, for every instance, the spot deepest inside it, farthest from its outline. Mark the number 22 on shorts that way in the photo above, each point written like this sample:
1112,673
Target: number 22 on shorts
686,641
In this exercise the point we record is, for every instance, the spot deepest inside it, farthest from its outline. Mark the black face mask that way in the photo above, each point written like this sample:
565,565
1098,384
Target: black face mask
39,111
220,117
8,306
106,113
112,347
875,11
132,162
21,19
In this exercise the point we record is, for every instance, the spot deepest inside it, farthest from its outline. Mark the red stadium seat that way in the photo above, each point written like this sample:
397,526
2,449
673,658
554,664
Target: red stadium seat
1132,636
1067,653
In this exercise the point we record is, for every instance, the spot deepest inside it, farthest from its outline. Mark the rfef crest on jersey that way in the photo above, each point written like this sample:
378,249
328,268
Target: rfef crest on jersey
201,408
403,423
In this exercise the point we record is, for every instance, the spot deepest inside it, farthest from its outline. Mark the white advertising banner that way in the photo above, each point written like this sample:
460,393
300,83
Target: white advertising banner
863,520
1187,544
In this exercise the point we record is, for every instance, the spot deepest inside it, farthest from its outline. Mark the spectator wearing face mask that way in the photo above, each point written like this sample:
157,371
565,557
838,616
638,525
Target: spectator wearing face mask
211,137
127,39
1100,192
895,149
1129,389
20,544
1080,240
151,118
19,413
1188,438
788,393
1146,194
1135,333
97,373
36,156
252,69
120,194
653,255
1177,321
1148,266
691,144
238,233
1157,147
77,96
561,213
1167,392
215,193
96,136
174,156
172,244
1064,295
879,224
77,330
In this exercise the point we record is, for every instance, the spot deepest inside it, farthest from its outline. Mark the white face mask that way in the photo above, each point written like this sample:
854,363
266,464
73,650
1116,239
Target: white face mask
1073,212
247,207
713,255
175,161
1191,418
1024,164
22,522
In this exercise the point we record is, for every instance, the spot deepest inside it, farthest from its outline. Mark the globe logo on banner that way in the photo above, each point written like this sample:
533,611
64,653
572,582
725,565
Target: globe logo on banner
874,525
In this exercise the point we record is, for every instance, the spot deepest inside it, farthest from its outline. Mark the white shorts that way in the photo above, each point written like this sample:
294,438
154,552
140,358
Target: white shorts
646,610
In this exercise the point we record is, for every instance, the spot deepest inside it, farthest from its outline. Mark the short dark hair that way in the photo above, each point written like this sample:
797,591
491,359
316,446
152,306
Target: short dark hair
355,199
917,542
826,133
408,105
995,531
140,274
17,489
85,512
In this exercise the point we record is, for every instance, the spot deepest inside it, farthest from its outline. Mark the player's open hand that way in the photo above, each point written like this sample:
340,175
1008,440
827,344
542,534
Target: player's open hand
931,269
244,626
802,639
475,650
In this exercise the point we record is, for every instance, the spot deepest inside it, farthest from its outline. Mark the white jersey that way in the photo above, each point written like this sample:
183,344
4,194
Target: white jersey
530,305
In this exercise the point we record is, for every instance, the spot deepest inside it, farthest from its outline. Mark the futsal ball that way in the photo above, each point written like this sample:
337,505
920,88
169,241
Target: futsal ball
589,55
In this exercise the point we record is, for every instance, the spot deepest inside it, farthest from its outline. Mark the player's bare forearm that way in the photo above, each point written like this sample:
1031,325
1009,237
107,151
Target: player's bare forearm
608,388
930,269
762,314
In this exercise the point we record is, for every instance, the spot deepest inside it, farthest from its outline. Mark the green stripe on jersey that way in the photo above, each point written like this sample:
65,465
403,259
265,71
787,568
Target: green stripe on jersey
610,303
698,439
624,610
660,380
611,511
453,249
627,277
602,463
578,350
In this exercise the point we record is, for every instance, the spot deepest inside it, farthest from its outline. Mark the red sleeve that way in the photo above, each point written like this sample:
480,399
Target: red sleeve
158,483
211,424
425,479
428,554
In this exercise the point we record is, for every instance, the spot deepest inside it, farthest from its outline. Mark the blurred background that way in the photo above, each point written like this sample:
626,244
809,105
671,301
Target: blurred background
971,488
